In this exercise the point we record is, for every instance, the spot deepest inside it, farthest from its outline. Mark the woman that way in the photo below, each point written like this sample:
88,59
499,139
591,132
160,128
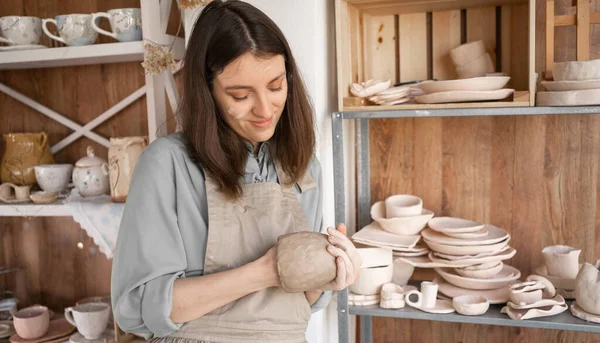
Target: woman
195,258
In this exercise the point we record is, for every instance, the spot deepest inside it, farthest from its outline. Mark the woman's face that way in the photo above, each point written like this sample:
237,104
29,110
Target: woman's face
250,94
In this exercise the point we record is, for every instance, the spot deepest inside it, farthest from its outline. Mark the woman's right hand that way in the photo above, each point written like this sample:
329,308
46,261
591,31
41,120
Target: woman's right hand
347,259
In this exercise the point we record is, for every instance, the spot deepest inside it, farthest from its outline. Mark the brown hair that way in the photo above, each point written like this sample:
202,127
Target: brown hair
223,32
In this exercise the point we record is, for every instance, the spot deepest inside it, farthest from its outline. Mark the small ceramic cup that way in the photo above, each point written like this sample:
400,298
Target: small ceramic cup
10,192
18,30
403,205
562,261
90,319
53,177
125,24
426,298
73,29
32,322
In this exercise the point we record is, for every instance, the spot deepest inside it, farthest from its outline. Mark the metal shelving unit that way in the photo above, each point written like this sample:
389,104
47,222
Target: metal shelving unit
565,321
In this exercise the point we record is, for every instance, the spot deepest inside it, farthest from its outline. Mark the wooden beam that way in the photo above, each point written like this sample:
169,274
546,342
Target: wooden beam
583,30
571,19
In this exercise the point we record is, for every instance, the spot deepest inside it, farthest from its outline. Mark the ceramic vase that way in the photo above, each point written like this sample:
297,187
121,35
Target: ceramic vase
587,288
23,152
123,154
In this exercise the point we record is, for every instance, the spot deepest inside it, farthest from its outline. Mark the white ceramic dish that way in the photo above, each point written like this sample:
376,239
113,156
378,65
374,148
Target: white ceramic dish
371,280
469,257
411,254
467,249
561,86
454,225
406,226
484,83
471,305
441,307
43,197
481,273
534,312
494,296
375,257
495,235
420,247
464,96
557,300
403,205
373,234
468,235
580,313
506,277
500,256
558,282
482,266
568,98
576,70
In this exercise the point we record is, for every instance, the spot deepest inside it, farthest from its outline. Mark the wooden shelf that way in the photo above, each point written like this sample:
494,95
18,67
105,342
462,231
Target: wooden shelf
80,55
56,209
564,321
387,7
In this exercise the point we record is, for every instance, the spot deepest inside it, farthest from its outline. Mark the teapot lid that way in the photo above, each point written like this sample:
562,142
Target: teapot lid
90,160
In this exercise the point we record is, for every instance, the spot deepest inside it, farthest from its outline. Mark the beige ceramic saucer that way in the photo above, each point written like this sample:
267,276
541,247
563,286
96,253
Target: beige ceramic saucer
466,249
582,314
534,312
454,225
568,98
441,307
557,300
469,257
58,328
560,86
464,96
508,276
107,337
558,282
494,296
500,256
373,234
495,235
411,254
468,235
485,83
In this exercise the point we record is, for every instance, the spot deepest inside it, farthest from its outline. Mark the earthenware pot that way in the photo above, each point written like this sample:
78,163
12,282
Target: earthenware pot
562,260
23,152
587,288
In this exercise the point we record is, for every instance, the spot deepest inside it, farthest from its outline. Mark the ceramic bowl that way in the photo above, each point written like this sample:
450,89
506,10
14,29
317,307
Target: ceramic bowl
481,66
525,298
466,53
43,197
375,257
562,260
371,280
576,70
471,305
32,322
403,271
403,205
481,273
53,177
404,226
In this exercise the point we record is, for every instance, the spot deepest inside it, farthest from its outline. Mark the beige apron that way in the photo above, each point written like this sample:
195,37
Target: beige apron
239,232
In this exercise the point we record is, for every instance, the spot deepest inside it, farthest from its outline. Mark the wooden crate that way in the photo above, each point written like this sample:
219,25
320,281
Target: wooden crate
405,40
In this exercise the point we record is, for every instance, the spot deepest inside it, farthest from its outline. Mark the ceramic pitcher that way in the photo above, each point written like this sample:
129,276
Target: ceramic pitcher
23,152
587,288
123,154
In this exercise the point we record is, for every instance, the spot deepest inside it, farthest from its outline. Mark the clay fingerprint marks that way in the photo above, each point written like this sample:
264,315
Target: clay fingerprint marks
303,262
234,114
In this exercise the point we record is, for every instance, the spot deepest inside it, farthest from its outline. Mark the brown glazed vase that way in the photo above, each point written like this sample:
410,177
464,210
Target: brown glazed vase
23,152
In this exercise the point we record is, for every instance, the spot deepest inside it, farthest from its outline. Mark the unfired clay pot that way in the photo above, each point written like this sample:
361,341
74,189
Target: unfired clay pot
587,288
561,260
303,262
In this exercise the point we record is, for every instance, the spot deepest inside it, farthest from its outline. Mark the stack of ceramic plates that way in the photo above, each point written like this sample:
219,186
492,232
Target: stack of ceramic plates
485,88
374,235
379,92
534,298
575,83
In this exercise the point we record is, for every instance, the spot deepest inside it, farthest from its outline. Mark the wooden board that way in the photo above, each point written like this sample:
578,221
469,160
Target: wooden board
379,36
413,46
445,37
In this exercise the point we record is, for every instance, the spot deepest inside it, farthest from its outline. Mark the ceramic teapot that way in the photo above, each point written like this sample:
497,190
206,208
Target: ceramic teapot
90,175
23,152
587,288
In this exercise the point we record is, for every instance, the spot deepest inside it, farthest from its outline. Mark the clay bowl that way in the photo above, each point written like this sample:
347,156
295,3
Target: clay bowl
403,205
53,177
481,273
375,257
478,67
576,70
32,322
371,280
525,298
466,53
471,305
43,197
404,226
403,271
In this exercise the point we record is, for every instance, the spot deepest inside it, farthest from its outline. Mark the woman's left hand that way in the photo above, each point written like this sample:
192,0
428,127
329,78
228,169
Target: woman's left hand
347,258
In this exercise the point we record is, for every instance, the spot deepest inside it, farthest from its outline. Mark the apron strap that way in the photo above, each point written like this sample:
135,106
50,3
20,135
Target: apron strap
306,183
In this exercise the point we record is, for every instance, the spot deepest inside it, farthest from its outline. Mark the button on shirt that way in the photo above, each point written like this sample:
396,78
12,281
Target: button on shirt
164,229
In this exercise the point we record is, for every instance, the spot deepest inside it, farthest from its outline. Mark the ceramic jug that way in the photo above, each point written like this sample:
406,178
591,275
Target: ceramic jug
23,152
90,175
123,154
587,288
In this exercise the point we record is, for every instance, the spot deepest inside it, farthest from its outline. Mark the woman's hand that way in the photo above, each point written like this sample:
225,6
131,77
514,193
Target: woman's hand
268,264
347,259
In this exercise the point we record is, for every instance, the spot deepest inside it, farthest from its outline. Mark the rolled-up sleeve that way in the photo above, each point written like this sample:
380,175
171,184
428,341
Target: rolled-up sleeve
317,226
149,254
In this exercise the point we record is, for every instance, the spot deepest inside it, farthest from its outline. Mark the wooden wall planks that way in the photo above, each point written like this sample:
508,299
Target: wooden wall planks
536,176
55,271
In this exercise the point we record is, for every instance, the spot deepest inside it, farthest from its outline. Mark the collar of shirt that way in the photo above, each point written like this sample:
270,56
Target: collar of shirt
257,167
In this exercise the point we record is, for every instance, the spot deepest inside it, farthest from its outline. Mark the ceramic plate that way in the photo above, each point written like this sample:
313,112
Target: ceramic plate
500,256
7,328
559,86
58,328
464,96
107,337
373,234
468,257
558,282
494,296
534,312
581,314
454,225
568,98
411,254
466,249
441,307
509,275
485,83
22,47
557,300
408,226
495,235
468,235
